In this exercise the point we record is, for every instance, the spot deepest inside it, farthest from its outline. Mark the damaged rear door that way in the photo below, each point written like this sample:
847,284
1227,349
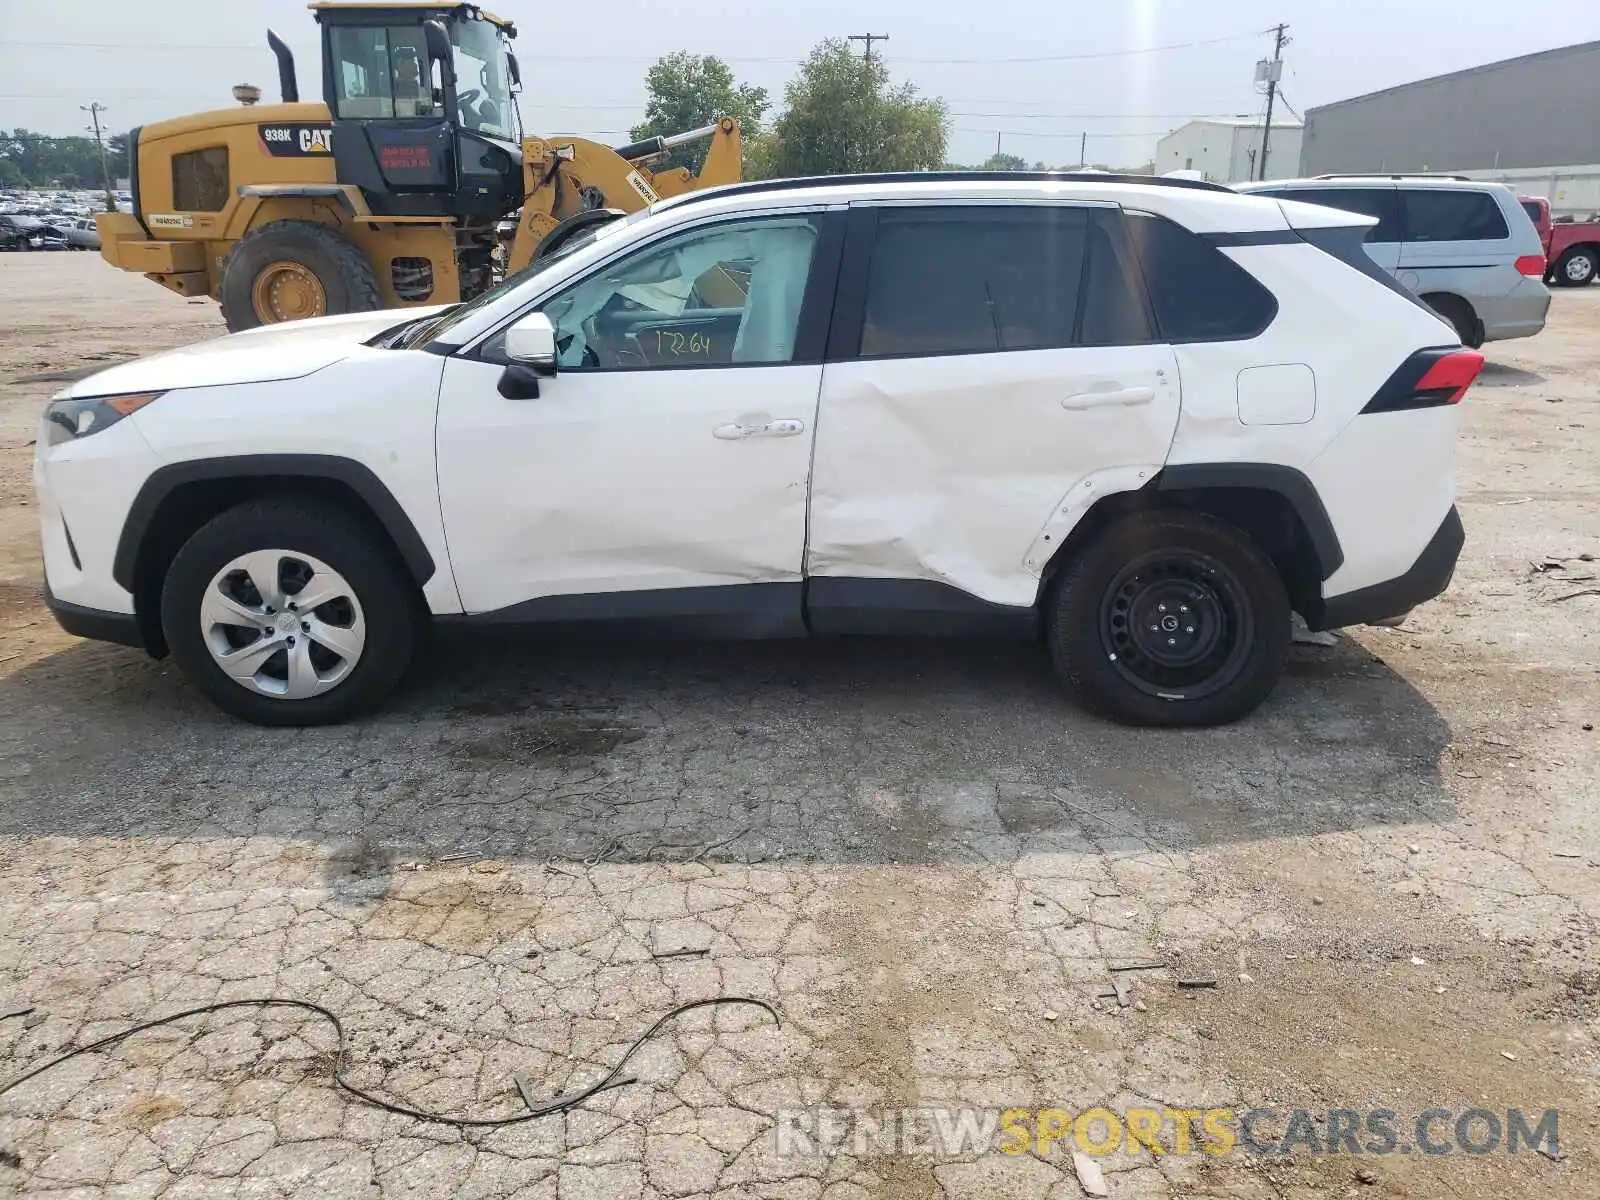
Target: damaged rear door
985,360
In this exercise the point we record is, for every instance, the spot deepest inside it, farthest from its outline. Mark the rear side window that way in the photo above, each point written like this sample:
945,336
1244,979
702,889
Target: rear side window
1383,203
974,280
1446,215
1199,294
1531,207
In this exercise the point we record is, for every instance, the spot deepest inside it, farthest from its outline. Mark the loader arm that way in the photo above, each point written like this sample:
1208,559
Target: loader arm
565,178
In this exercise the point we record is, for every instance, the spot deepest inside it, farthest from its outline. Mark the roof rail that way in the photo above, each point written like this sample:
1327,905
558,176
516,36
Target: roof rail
1391,175
813,181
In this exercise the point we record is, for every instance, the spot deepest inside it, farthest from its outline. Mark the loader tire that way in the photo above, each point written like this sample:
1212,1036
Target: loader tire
292,270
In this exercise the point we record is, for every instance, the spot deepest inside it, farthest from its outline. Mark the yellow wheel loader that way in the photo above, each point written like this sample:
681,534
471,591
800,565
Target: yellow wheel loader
388,191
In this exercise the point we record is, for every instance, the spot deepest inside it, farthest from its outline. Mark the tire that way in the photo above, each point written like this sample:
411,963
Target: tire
376,607
1469,330
1236,646
1577,267
309,252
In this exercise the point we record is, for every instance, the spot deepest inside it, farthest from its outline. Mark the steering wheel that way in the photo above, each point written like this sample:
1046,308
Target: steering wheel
464,101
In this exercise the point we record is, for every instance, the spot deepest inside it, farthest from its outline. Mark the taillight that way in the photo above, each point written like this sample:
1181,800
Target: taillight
1428,378
1451,376
1531,264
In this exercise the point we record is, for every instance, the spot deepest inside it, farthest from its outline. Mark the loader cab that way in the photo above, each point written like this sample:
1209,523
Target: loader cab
424,113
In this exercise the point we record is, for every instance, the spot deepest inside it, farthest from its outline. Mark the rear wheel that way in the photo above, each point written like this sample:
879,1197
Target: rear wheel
293,270
1170,618
288,612
1576,268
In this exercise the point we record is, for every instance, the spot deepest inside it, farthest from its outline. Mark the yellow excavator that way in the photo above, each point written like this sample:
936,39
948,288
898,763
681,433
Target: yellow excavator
388,191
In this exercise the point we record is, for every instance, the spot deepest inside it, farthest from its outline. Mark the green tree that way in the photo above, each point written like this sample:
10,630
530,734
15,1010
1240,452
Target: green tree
62,162
843,116
689,91
1006,162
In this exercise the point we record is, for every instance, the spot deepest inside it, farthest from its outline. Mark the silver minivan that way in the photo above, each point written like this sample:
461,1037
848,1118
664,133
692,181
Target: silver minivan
1465,246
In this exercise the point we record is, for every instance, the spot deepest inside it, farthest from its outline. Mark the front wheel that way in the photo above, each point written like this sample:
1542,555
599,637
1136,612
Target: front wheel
288,612
1576,268
1169,618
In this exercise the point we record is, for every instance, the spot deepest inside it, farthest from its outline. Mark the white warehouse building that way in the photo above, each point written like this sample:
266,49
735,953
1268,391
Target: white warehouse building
1228,149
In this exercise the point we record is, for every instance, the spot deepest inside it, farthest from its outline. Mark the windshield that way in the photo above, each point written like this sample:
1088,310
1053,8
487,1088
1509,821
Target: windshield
483,83
436,328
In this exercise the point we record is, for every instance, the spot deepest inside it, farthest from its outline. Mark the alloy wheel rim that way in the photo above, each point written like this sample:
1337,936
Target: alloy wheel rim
288,291
283,624
1579,268
1177,624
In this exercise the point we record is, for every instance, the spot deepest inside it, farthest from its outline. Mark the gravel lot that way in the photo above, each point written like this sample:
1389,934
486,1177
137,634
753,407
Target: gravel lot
920,852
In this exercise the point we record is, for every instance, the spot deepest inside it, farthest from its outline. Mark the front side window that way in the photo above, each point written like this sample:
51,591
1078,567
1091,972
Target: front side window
974,280
1446,215
382,71
723,295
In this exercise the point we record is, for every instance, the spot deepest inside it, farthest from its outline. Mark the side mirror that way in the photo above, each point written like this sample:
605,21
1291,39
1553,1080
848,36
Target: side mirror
439,50
531,347
516,71
531,342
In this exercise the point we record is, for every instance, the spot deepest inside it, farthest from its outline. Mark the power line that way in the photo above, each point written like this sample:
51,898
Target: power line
1046,58
732,58
1029,133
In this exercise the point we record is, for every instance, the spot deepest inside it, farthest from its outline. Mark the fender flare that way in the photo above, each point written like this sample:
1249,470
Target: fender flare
358,477
1293,485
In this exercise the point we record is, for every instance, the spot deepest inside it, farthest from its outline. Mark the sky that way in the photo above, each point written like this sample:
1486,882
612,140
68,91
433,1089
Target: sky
1124,73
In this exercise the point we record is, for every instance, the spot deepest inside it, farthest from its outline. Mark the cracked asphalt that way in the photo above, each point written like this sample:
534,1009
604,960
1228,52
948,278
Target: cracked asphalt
923,855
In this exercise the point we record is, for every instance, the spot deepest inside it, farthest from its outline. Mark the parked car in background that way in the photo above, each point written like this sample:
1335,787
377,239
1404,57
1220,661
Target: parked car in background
1465,246
81,233
1572,248
1139,420
29,233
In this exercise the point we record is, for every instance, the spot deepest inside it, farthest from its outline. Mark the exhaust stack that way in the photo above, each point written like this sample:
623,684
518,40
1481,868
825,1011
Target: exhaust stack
286,80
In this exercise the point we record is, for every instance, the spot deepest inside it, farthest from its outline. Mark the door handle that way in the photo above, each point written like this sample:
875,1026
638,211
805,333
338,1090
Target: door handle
783,427
1120,398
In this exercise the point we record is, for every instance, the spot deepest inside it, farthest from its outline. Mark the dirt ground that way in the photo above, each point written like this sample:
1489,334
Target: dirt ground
920,852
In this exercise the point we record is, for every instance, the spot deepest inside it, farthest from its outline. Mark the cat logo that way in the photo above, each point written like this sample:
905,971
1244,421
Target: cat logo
297,141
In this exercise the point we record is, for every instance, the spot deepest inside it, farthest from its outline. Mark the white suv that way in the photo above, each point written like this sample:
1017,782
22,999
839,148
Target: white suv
1141,419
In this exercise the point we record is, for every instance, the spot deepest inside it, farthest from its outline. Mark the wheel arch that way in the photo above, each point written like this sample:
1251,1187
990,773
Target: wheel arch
1276,505
179,498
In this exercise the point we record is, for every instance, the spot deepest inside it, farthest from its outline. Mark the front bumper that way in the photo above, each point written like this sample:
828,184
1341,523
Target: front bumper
93,623
1380,602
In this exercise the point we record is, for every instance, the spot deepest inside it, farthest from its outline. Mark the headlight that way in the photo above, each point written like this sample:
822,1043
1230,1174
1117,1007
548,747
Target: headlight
69,419
35,241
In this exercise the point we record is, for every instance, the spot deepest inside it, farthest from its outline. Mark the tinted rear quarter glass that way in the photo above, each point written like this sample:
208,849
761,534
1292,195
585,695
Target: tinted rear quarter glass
1383,203
1449,215
1199,294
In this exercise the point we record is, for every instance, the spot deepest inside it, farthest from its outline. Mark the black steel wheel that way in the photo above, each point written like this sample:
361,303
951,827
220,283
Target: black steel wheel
1170,618
1177,624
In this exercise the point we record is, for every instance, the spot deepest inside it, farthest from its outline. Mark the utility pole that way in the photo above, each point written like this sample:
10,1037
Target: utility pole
1273,73
1083,150
869,38
94,110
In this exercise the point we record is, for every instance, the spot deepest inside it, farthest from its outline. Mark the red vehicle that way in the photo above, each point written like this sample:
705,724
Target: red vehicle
1572,248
